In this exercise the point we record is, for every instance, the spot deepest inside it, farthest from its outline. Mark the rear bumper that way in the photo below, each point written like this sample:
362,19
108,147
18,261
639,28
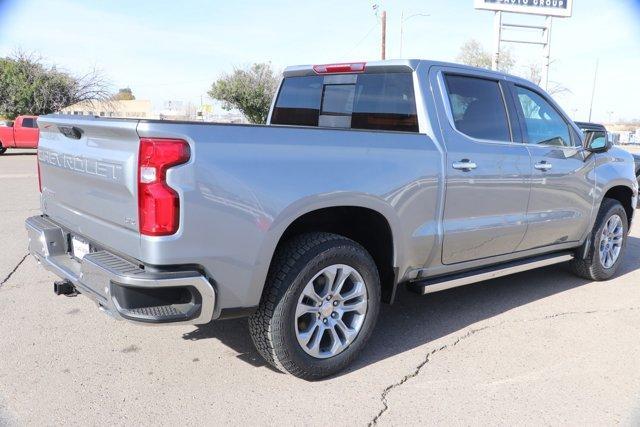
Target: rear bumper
120,288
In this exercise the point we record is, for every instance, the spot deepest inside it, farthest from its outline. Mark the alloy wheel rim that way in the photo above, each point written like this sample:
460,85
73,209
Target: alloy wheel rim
331,311
611,240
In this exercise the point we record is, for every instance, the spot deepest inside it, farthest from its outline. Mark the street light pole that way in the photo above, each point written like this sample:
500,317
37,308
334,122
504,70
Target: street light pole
402,21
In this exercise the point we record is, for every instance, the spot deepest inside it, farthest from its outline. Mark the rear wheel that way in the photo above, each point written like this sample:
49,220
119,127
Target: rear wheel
2,149
608,242
319,307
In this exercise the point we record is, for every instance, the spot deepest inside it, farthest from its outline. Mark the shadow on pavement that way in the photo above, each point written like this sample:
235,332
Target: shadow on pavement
9,153
416,320
234,333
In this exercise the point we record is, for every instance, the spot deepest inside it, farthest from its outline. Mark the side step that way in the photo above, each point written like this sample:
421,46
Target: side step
428,286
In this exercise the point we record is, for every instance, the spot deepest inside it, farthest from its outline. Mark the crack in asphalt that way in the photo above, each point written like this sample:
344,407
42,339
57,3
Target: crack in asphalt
416,371
6,279
425,361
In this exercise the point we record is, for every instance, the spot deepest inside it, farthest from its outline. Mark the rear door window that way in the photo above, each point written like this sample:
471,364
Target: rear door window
384,101
478,108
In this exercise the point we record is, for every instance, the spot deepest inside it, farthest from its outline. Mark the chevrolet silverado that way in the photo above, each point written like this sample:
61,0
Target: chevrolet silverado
366,177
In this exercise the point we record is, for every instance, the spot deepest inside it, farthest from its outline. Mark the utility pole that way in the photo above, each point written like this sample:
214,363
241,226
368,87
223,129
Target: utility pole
593,90
384,35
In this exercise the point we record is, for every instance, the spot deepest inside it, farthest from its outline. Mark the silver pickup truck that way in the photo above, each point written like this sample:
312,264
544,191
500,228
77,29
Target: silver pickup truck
367,176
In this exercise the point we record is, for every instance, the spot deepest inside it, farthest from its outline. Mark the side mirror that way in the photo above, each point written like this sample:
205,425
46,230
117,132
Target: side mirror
596,141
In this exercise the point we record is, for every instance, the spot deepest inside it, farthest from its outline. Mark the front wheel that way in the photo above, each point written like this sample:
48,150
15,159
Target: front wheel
2,149
608,243
319,306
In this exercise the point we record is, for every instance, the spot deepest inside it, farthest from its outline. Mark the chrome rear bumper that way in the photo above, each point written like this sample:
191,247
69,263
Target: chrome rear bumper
121,288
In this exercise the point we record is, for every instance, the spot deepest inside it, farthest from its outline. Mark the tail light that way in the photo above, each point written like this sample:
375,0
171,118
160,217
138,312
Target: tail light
159,204
356,67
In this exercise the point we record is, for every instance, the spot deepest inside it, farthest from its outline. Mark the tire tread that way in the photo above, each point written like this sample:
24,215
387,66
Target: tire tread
590,267
266,321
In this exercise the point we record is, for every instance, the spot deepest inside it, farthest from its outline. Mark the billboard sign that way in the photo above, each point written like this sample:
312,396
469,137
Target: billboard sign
559,8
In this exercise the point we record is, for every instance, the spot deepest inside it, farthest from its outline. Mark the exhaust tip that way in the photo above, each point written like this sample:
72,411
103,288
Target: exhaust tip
64,287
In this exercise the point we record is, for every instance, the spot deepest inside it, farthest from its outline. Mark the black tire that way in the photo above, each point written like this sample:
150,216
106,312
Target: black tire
272,326
2,149
592,268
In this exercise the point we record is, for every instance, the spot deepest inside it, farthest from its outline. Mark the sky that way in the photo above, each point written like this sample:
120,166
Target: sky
167,50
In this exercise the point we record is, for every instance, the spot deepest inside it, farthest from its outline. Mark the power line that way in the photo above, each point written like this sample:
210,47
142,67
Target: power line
362,39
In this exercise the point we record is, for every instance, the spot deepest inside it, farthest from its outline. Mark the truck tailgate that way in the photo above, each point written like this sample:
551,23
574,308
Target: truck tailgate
88,171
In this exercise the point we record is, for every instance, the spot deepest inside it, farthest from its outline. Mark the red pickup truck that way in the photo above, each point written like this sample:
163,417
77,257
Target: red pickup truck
24,133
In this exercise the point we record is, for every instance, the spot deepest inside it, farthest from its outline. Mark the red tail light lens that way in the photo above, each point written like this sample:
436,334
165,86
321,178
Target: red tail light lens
357,67
159,204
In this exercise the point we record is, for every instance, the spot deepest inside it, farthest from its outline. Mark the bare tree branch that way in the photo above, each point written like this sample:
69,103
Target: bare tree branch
28,86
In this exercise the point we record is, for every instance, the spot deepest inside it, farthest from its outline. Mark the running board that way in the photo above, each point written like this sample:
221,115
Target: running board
428,286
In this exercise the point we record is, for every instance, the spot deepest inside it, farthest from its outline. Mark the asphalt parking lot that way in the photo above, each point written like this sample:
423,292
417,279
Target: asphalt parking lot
542,347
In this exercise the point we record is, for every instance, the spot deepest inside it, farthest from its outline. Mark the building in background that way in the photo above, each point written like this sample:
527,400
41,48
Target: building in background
624,133
143,109
177,110
228,117
134,109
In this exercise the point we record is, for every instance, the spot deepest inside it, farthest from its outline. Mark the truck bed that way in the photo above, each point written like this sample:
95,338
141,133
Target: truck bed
238,192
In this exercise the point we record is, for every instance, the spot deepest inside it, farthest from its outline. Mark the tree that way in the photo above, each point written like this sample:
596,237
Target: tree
249,90
27,86
472,53
124,94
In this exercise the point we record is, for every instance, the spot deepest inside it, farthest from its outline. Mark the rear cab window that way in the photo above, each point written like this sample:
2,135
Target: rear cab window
369,101
29,122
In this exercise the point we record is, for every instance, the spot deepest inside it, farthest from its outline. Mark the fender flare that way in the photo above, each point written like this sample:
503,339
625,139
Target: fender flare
310,204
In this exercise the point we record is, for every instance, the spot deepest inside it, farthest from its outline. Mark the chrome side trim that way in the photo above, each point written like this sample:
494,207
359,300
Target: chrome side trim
474,276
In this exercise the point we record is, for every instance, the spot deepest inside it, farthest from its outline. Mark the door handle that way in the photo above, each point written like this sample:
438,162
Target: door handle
464,165
543,166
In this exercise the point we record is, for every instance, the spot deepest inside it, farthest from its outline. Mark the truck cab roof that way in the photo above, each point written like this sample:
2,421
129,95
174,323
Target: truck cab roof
391,65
